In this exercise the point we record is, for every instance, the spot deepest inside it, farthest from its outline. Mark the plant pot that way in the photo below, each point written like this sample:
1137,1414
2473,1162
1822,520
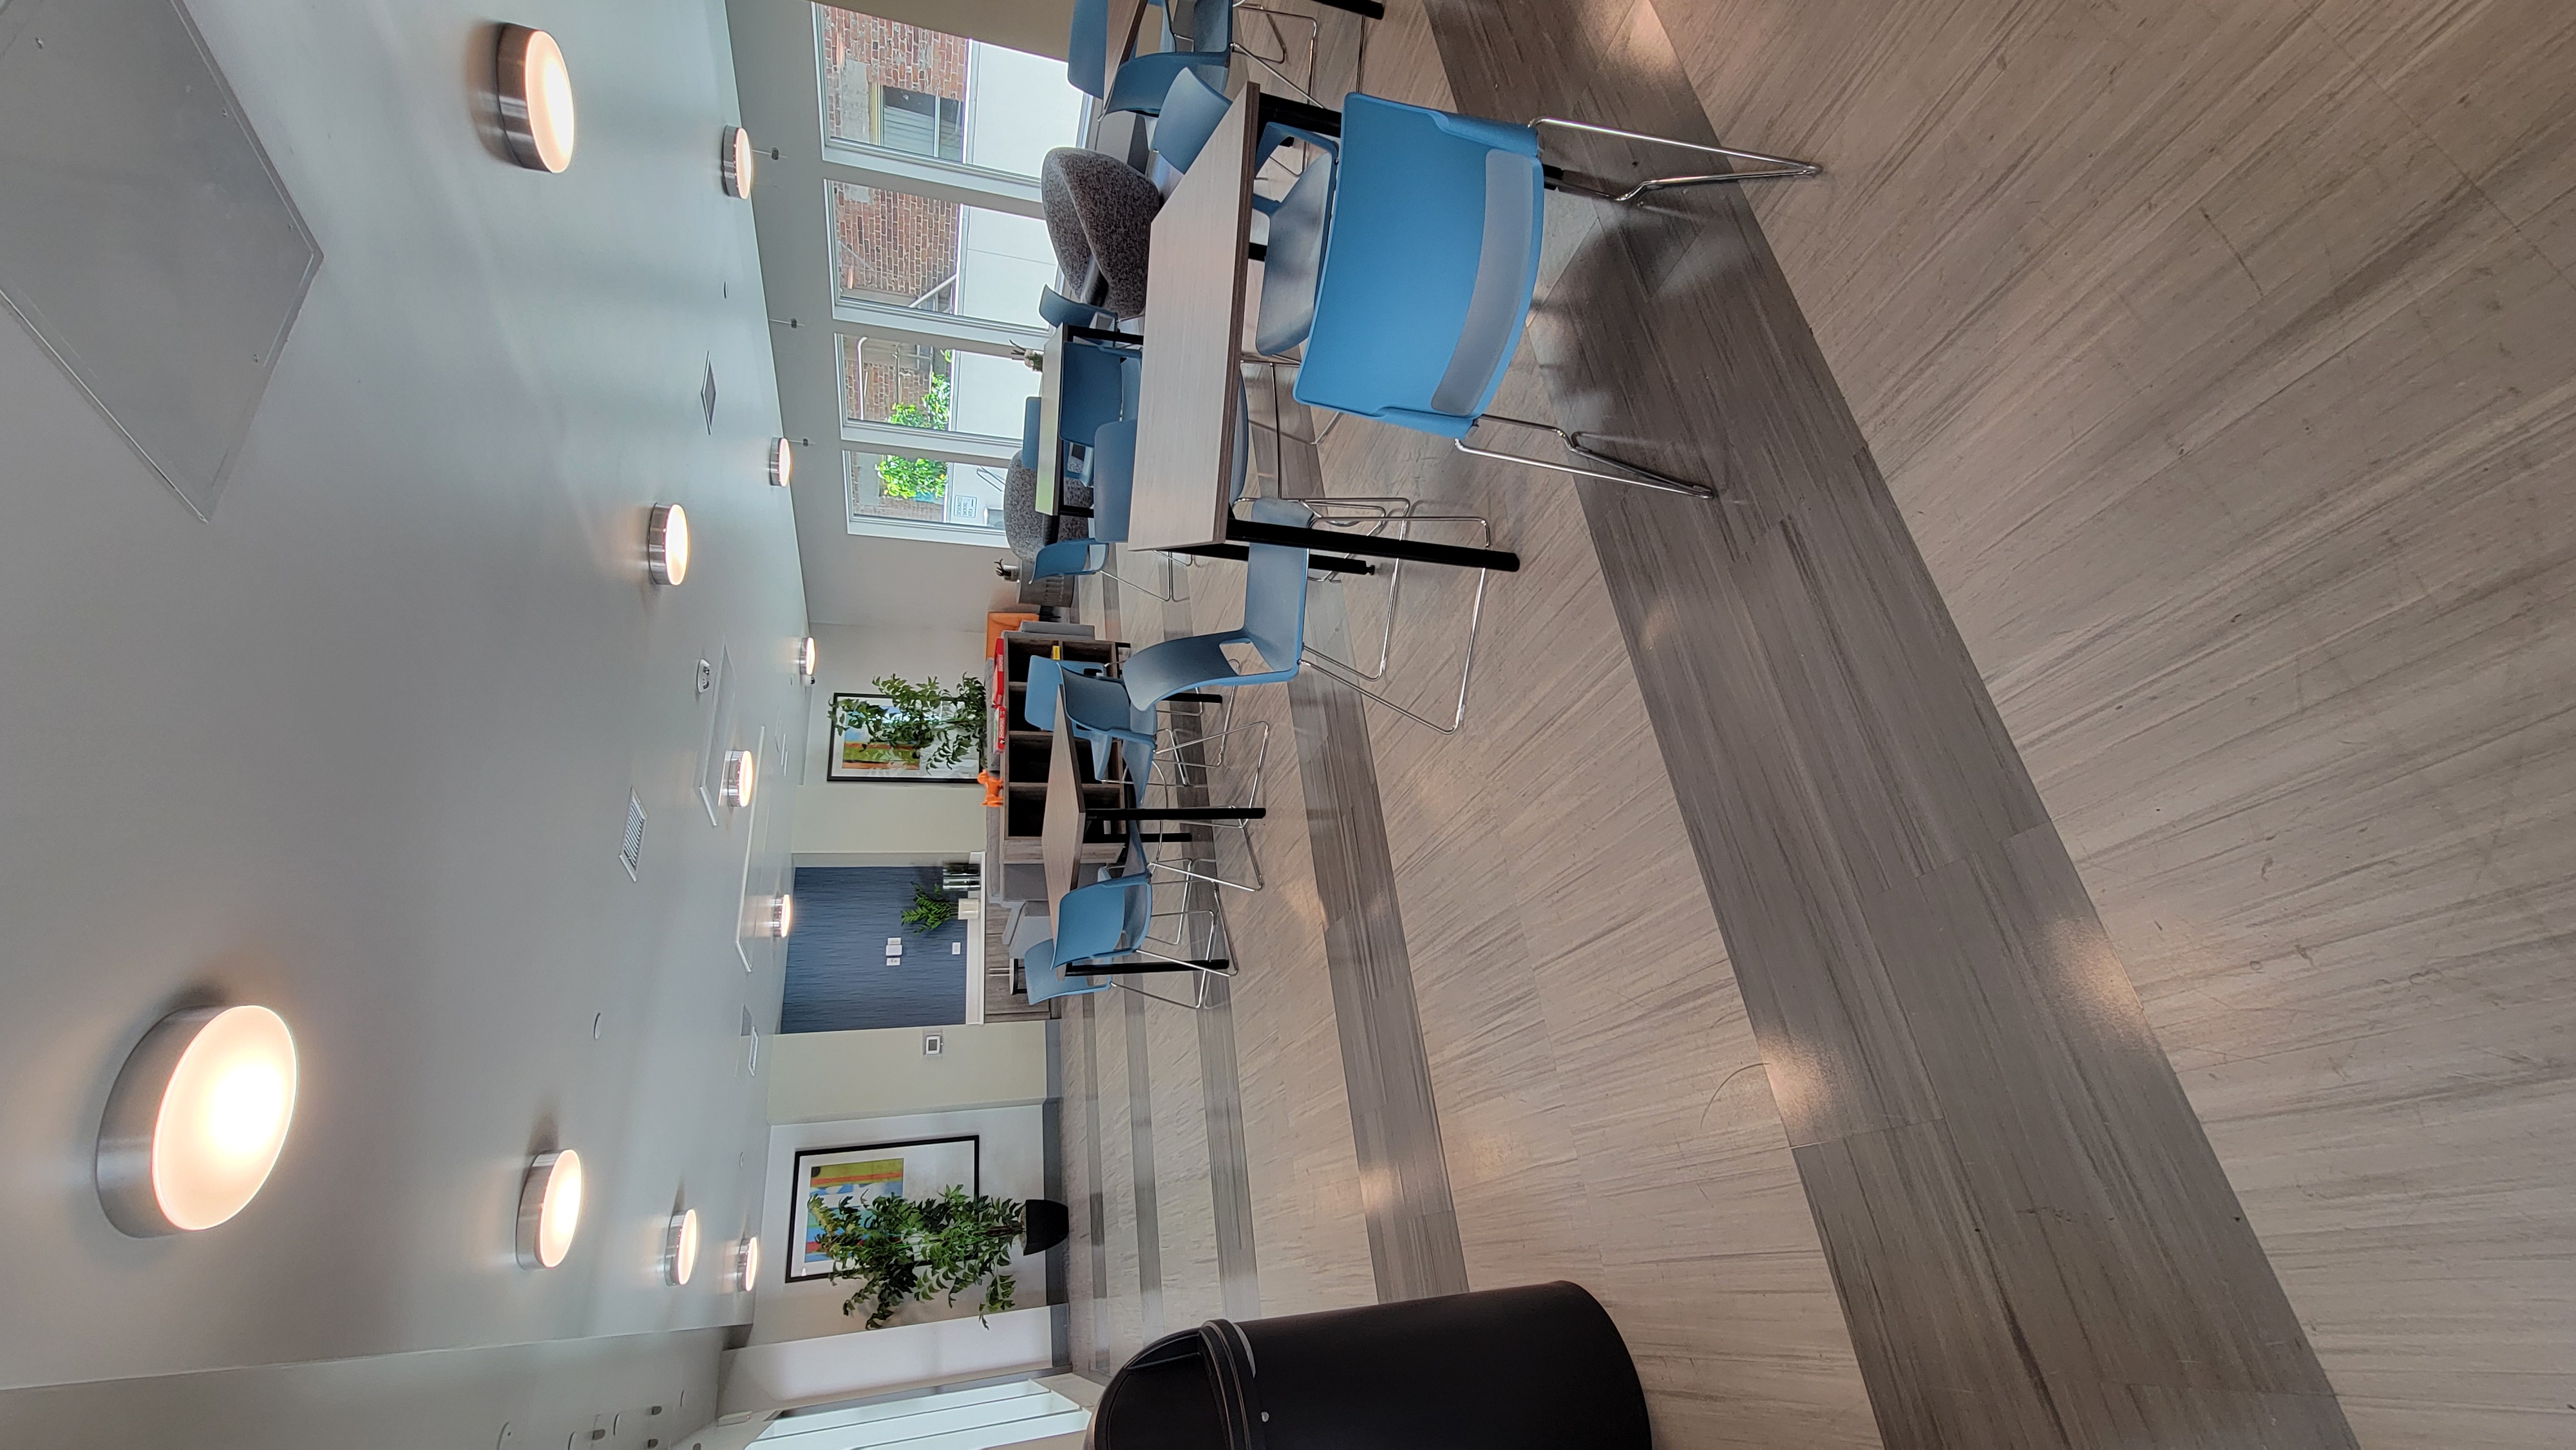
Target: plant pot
1534,1368
1043,1225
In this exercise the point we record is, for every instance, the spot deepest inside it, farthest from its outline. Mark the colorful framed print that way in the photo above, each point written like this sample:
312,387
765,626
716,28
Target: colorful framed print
914,1168
874,738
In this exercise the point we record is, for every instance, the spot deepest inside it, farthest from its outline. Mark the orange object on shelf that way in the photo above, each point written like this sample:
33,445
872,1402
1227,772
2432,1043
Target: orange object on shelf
992,787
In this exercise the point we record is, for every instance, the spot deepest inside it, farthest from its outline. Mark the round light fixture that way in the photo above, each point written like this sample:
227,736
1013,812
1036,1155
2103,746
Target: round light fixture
741,773
666,543
808,657
782,915
680,1248
745,1268
782,461
196,1119
536,99
739,162
549,1209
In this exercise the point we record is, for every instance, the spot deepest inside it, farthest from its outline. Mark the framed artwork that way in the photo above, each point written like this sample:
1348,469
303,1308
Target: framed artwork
874,737
914,1168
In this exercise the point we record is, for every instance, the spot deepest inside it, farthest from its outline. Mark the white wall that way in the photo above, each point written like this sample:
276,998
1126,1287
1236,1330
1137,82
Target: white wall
787,1373
878,821
1014,1166
820,1076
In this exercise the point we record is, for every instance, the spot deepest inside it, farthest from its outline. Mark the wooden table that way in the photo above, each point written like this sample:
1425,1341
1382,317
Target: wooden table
1060,834
1195,285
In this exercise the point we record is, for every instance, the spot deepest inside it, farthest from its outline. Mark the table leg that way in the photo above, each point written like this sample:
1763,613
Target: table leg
1455,555
1329,563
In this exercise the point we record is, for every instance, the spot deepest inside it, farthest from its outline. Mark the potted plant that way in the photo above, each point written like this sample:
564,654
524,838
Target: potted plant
902,1249
930,910
918,723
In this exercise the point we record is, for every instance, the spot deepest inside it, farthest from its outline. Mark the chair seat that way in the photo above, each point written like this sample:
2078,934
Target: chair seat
1429,263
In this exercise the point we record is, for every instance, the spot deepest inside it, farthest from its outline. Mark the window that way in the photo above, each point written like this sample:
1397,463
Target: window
932,144
920,123
921,491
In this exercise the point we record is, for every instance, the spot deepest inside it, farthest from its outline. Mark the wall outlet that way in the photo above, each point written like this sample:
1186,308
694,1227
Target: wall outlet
931,1043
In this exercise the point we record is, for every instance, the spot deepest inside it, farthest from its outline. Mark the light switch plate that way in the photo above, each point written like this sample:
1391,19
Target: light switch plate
932,1043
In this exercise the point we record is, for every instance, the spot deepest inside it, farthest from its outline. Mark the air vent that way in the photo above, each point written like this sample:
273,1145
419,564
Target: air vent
632,853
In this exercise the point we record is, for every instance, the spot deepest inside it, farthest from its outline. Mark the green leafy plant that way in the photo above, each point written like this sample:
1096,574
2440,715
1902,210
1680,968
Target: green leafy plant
929,911
939,723
901,1249
918,478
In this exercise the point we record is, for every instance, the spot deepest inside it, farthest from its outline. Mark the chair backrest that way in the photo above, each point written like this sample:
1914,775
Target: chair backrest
1091,921
1294,262
1087,48
1191,111
1046,686
1210,27
1274,588
1046,980
1068,557
1096,703
1029,417
1428,266
1092,390
1113,478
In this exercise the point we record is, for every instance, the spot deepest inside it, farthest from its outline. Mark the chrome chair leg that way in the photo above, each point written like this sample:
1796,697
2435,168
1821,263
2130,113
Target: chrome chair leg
1252,797
1637,475
1272,63
1778,168
1360,679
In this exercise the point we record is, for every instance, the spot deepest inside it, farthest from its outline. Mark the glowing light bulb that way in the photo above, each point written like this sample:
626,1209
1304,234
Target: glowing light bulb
536,99
196,1120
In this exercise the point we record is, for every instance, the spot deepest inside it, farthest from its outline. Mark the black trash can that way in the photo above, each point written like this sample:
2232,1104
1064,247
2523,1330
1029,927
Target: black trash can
1500,1369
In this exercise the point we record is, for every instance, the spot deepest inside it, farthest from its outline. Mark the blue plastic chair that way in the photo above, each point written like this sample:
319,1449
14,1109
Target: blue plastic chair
1191,112
1047,981
1142,80
1098,710
1427,251
1274,624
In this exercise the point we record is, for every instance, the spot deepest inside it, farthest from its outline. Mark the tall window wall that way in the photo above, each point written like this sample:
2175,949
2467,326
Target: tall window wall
939,250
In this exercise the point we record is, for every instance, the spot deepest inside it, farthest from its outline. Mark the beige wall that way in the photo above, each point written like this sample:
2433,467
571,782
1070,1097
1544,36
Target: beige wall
877,823
823,1076
1036,26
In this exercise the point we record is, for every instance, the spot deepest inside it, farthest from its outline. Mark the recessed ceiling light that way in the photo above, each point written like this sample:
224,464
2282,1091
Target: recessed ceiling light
807,658
549,1209
536,99
746,1265
666,543
782,915
680,1248
196,1119
741,772
782,461
739,161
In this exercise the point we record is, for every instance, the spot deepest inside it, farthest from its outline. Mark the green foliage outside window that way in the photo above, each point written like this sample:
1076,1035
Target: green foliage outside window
919,478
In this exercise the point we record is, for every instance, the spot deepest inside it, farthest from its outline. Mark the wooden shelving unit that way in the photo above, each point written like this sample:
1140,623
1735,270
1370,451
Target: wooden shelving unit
1022,750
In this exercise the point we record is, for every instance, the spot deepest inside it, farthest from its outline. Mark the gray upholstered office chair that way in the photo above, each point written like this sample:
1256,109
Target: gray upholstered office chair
1100,218
1027,530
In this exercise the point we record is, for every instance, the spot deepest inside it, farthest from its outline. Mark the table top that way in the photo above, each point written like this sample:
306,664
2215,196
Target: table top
1060,834
1195,283
1050,459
